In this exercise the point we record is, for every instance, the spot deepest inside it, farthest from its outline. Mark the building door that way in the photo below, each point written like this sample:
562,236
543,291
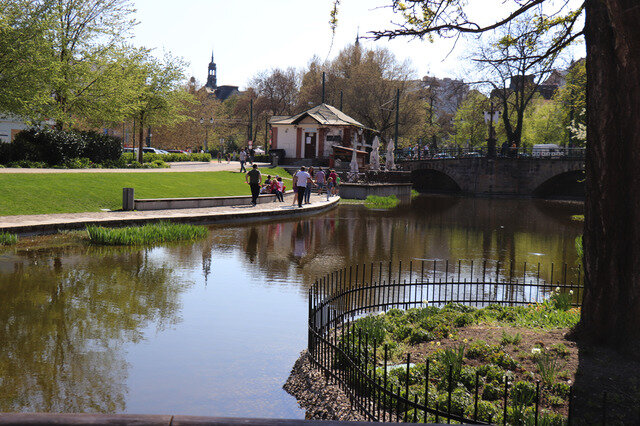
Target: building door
309,145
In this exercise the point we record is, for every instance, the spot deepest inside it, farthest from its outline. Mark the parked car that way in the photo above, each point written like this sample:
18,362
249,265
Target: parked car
259,151
177,151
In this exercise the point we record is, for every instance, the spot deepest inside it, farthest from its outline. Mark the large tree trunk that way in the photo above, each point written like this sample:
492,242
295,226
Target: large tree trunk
611,308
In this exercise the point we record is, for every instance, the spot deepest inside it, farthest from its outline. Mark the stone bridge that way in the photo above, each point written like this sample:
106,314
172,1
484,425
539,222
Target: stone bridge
499,176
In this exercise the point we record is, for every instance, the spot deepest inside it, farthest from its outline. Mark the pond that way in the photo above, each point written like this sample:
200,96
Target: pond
213,328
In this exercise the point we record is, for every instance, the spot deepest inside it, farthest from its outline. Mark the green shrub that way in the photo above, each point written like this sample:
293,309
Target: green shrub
464,320
62,148
560,349
492,373
503,360
561,389
460,400
7,239
452,359
479,350
418,335
487,411
508,339
492,392
523,393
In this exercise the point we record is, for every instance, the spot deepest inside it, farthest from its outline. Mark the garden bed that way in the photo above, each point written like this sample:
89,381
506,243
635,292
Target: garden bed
526,344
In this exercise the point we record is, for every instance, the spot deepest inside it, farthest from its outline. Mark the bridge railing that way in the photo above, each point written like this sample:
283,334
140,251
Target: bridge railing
560,153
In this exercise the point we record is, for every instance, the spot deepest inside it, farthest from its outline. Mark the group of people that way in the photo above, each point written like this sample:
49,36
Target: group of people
304,181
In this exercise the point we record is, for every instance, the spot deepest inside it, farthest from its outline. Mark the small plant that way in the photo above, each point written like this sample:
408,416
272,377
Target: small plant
547,367
452,359
492,392
560,349
523,393
510,339
7,239
561,300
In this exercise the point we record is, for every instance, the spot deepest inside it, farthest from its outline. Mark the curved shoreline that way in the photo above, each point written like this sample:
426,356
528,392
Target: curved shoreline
51,223
321,399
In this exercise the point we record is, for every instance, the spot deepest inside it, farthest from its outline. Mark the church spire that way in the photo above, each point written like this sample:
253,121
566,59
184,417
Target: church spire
212,82
358,37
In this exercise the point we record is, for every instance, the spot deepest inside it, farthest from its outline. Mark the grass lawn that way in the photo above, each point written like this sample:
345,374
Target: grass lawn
89,192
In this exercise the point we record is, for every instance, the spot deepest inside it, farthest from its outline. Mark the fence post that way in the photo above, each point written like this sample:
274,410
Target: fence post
128,202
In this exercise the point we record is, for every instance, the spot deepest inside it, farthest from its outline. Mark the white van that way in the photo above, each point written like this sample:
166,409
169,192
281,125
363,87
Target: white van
547,150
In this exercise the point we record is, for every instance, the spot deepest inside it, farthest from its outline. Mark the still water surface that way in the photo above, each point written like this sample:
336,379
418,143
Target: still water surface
213,328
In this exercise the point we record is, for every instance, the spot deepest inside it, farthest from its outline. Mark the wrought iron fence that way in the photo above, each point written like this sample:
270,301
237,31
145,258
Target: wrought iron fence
338,348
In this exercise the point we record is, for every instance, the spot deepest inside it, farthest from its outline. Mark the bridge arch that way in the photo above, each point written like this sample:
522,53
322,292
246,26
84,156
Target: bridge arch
565,184
431,180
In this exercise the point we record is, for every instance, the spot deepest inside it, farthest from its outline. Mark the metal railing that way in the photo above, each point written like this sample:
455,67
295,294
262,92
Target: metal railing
560,153
338,348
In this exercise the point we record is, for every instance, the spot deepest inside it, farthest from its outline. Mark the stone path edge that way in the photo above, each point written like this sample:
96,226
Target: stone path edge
210,218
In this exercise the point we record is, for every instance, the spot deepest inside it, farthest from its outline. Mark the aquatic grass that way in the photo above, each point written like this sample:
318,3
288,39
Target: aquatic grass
143,235
376,202
8,239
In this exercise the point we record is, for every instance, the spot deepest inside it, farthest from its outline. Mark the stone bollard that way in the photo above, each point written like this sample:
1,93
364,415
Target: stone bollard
127,199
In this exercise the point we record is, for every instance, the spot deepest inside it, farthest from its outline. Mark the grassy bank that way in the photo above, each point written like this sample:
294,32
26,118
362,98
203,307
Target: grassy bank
143,235
7,239
42,193
374,202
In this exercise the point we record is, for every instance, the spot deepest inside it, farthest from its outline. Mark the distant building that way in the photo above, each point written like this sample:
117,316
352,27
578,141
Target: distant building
317,133
10,126
219,92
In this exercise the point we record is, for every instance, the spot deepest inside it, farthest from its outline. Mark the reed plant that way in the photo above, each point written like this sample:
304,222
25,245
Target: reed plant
7,239
143,235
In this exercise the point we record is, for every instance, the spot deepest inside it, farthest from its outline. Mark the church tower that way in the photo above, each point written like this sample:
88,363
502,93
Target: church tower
211,77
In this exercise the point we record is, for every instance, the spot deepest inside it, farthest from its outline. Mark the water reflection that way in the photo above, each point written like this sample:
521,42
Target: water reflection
434,228
65,314
212,328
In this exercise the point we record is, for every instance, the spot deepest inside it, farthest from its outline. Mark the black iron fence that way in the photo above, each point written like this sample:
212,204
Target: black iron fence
347,356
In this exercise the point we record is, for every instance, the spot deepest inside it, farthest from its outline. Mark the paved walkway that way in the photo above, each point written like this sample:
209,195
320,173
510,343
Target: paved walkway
39,223
187,166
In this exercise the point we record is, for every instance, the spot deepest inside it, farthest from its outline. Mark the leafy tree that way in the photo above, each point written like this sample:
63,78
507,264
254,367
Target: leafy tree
276,90
469,124
544,123
368,80
611,304
514,68
161,98
573,103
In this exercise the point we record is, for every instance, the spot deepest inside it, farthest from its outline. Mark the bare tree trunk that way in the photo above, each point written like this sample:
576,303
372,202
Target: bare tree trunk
611,308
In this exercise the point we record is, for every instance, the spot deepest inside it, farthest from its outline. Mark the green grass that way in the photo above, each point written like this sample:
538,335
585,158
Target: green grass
578,217
7,239
143,235
43,193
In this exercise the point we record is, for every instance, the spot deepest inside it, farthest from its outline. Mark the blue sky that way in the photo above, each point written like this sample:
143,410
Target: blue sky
253,35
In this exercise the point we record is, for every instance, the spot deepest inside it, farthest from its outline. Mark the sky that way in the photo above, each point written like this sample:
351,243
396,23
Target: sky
250,36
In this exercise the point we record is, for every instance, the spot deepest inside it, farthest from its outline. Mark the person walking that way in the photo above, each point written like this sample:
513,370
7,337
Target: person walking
243,159
254,179
302,180
320,180
307,193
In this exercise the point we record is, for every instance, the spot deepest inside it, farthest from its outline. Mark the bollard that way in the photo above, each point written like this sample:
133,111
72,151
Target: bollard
127,199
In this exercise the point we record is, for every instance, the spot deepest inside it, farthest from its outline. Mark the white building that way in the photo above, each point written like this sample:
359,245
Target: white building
316,133
9,127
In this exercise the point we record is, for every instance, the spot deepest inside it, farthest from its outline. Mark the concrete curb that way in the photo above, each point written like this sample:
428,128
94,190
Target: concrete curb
200,216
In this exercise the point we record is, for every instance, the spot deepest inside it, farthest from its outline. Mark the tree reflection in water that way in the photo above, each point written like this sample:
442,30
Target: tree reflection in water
64,320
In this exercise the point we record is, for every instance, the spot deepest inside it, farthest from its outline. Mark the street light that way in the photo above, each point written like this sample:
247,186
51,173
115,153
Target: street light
489,117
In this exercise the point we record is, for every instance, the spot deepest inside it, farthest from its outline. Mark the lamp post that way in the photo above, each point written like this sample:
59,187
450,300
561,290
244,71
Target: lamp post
489,117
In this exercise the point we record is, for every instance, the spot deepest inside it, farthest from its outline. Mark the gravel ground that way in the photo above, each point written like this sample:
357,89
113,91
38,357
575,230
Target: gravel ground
322,400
